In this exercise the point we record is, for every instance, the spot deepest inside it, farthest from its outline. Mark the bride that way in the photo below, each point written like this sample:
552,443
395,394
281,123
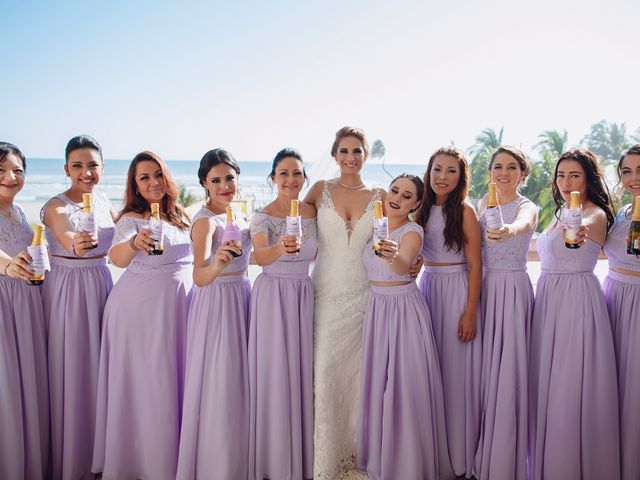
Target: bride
345,225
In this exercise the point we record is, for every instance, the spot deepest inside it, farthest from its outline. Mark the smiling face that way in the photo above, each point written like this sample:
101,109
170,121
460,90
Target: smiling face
350,155
506,173
445,175
84,166
630,174
402,198
150,182
289,177
11,177
571,177
222,184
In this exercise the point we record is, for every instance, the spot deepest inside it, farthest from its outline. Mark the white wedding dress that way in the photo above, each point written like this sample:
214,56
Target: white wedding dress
340,299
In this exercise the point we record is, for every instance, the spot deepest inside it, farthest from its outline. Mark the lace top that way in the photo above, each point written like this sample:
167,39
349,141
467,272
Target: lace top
238,264
616,245
15,236
433,247
277,227
104,222
378,269
510,255
556,258
177,247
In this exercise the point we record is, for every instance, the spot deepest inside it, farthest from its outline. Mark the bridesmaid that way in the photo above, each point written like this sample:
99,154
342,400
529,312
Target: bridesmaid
281,333
214,441
506,305
451,286
401,428
24,407
74,296
573,389
143,343
622,294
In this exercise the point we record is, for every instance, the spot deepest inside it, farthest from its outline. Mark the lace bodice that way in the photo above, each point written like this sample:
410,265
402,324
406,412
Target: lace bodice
377,268
555,257
238,264
104,222
616,245
510,255
15,236
277,227
433,247
177,246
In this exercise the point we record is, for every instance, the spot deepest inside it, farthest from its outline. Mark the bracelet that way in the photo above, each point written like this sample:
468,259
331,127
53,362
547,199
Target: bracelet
393,259
132,243
6,267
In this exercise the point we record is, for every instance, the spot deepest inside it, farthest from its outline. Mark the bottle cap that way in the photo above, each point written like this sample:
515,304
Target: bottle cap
230,216
636,209
294,208
87,202
493,195
377,210
575,201
155,210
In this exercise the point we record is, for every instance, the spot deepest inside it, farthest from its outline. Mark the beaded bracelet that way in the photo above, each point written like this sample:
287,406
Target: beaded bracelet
132,243
6,267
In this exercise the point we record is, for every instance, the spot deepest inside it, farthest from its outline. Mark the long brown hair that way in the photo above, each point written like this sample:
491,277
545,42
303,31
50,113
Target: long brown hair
169,205
597,190
453,208
518,155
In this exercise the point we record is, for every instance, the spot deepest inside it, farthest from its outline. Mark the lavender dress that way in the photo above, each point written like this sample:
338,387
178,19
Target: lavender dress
401,425
622,294
281,359
74,296
573,402
214,440
507,306
445,290
141,376
24,392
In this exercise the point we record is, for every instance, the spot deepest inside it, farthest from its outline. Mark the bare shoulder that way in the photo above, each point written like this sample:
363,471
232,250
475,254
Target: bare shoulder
469,211
314,192
307,210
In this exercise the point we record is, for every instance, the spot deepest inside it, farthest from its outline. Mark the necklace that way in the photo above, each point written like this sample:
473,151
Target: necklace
8,211
360,185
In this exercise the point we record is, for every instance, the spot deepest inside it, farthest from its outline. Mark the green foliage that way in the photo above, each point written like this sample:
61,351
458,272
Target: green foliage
185,197
553,142
485,144
538,188
636,137
607,140
378,150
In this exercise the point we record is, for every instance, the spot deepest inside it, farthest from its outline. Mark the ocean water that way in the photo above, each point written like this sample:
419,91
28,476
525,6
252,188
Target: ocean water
46,178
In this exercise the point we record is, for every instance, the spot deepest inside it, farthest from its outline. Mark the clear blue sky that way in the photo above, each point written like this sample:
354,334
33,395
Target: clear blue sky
180,78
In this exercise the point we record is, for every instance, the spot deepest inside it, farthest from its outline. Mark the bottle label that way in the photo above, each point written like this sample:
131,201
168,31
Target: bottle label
157,232
87,223
572,221
39,259
493,218
294,227
380,230
636,243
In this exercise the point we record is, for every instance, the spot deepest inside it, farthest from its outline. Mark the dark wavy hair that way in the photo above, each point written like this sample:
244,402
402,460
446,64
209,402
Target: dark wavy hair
634,150
417,182
213,158
453,208
169,205
518,155
7,148
287,153
597,190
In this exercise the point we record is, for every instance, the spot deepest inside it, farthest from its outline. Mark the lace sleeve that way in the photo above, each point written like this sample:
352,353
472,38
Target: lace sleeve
259,224
125,229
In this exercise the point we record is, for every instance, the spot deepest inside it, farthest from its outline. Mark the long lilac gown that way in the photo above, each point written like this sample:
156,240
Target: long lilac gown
507,306
445,290
74,296
24,390
401,426
214,441
142,357
622,294
573,401
281,359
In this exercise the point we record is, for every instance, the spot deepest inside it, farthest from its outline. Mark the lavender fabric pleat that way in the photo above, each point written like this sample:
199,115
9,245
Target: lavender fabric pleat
622,294
142,375
507,306
445,291
24,397
214,440
281,377
401,428
573,388
74,295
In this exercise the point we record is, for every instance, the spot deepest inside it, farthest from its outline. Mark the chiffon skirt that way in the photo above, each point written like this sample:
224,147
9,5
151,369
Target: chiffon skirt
214,441
622,294
74,293
401,427
24,390
573,388
141,378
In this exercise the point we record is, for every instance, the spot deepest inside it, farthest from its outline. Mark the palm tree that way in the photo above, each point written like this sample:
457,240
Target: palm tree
607,140
636,137
185,197
485,144
378,150
552,141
